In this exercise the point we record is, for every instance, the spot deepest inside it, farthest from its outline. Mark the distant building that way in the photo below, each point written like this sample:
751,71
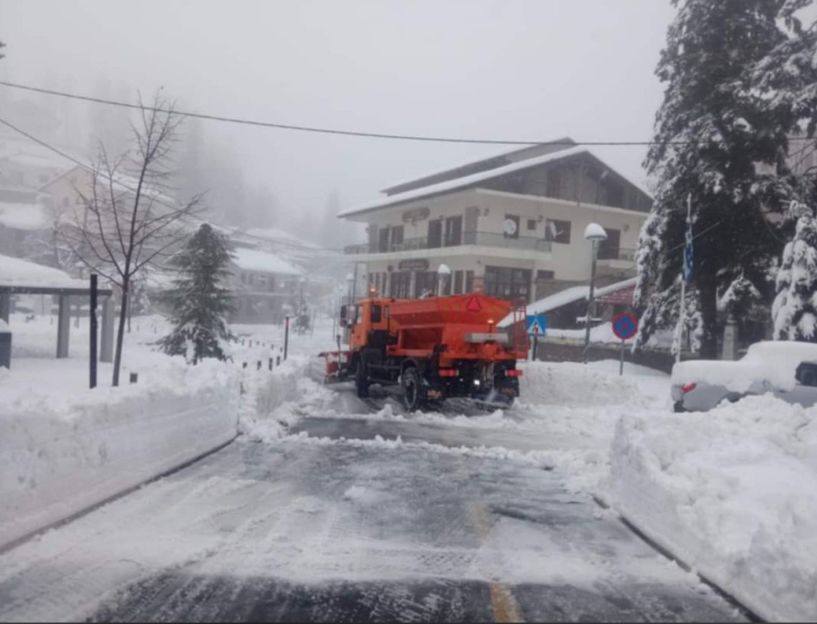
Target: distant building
510,226
265,286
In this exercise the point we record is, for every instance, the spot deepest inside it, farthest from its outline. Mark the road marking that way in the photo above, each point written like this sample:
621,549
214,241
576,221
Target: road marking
502,601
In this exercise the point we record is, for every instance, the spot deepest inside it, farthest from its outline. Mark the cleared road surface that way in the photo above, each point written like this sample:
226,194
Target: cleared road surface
351,531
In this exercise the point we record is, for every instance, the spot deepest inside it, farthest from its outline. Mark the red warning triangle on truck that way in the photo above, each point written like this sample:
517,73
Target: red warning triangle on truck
473,304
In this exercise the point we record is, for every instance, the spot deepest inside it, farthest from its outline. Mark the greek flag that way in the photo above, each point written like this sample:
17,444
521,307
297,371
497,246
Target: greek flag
688,252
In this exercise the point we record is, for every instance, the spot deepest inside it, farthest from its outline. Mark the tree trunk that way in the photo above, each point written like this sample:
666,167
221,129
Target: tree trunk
120,334
707,290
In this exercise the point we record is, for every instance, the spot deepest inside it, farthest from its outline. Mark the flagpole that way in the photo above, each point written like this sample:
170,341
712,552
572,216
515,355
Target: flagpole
682,312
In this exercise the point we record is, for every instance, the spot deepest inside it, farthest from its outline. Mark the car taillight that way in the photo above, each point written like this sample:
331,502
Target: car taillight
688,387
448,372
513,372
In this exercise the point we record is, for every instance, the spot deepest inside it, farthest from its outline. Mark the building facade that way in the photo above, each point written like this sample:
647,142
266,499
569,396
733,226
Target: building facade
510,226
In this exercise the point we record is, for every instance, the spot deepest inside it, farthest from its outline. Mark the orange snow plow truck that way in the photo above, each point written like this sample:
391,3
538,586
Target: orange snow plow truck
433,348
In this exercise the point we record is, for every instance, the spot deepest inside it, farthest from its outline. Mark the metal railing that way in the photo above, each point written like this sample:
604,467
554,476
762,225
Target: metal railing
617,254
487,239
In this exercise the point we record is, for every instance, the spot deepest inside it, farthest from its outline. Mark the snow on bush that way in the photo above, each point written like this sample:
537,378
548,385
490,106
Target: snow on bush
62,453
731,492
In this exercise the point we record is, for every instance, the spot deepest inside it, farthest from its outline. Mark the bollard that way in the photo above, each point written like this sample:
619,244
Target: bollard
258,365
134,377
269,365
278,360
243,365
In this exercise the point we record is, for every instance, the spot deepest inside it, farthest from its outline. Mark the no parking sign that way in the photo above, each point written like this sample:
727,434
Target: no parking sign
625,325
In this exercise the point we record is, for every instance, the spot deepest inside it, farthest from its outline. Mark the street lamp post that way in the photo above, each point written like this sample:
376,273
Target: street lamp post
595,234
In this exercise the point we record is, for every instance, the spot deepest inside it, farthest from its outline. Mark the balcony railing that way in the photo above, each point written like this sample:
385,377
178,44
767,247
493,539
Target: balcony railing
487,239
627,255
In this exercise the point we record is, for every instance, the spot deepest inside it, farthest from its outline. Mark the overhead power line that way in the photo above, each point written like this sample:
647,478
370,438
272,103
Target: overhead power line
318,130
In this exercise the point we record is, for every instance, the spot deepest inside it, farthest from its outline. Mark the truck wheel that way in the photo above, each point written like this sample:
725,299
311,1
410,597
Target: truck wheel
362,378
412,389
678,407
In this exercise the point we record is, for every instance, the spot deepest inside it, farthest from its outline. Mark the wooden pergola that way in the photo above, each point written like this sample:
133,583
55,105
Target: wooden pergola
64,292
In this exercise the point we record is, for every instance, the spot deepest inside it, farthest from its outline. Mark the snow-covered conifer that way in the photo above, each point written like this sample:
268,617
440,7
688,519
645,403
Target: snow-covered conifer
711,131
199,301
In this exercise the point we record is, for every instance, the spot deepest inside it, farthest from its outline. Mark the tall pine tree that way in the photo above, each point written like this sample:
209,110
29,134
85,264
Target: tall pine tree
199,301
712,129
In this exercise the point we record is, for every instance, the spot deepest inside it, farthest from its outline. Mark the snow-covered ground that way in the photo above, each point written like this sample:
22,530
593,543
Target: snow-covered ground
730,492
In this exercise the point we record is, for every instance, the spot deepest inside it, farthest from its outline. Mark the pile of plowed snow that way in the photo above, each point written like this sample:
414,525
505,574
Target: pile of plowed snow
580,385
63,452
733,492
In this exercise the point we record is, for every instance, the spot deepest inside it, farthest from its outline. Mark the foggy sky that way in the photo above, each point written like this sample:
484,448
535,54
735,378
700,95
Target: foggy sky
515,69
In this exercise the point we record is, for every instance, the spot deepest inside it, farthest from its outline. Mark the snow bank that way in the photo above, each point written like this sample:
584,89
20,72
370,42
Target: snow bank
731,492
62,454
280,398
568,383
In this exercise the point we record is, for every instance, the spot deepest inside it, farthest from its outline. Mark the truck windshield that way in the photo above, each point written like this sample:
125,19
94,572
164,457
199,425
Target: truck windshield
377,313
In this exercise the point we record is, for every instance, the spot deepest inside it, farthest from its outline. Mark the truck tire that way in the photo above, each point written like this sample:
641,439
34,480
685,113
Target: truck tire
411,384
362,377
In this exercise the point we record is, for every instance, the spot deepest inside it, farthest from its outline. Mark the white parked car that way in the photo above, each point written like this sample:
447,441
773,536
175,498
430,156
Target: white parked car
786,369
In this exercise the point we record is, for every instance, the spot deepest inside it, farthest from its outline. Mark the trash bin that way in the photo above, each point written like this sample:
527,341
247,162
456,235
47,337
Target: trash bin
5,344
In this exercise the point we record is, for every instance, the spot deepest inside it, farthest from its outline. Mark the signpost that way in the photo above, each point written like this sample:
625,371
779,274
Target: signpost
625,326
537,326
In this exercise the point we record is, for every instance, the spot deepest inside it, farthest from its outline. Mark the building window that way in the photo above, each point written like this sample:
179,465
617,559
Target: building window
557,231
435,233
399,284
383,240
453,231
507,283
457,282
531,224
469,281
425,281
396,237
544,276
609,248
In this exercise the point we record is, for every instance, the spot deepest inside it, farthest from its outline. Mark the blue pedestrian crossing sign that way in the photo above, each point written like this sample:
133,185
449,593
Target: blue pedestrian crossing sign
537,325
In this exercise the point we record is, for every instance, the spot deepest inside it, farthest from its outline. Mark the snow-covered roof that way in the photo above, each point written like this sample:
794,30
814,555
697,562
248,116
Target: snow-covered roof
470,180
262,261
22,216
567,296
277,235
19,272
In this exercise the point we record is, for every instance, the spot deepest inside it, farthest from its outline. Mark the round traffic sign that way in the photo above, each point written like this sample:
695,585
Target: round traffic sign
625,325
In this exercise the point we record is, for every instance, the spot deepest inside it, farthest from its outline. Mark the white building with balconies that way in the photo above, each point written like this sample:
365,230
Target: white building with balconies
510,226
